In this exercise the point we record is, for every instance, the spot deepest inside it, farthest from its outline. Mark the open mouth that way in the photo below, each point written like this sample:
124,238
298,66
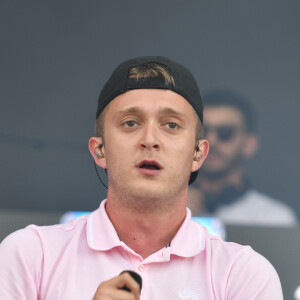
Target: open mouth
149,165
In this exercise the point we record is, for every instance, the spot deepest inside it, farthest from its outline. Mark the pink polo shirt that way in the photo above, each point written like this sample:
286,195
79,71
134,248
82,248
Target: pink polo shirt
69,261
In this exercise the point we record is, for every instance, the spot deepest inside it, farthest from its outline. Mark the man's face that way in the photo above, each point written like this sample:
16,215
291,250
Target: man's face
224,128
149,145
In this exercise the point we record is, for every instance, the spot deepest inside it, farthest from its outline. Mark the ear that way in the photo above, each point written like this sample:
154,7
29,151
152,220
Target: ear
94,142
250,146
200,154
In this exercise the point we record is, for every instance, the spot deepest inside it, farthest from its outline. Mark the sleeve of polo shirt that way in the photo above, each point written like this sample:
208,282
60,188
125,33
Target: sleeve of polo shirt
20,265
252,277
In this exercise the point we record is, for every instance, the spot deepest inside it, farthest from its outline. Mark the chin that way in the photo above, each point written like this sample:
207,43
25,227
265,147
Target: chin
152,192
149,196
150,189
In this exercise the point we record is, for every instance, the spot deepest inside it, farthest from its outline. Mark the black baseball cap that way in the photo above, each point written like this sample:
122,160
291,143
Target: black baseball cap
185,85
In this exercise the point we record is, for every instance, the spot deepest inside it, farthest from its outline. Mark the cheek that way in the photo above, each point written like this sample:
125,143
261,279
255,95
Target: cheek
113,153
119,153
185,155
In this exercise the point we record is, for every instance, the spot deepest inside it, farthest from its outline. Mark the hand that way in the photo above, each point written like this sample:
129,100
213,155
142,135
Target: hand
112,289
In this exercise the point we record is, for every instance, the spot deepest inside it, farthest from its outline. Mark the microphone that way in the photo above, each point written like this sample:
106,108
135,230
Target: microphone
135,276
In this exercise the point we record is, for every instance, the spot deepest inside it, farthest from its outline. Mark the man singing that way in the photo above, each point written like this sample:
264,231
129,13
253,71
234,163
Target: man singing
149,140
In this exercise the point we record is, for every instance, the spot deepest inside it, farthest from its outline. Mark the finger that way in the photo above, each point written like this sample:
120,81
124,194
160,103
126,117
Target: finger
135,276
112,289
126,280
109,293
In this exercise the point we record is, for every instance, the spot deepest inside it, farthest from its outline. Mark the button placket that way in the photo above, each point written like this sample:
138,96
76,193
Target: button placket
141,268
143,273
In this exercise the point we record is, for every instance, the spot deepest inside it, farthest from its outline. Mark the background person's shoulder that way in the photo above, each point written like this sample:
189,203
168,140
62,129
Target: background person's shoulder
273,210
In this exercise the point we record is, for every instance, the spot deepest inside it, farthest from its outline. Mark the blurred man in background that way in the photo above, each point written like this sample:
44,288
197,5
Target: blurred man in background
221,189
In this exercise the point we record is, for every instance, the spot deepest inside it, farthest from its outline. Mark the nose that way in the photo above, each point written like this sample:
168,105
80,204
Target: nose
149,139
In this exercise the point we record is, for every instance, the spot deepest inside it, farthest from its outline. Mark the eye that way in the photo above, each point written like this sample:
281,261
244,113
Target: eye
171,125
130,124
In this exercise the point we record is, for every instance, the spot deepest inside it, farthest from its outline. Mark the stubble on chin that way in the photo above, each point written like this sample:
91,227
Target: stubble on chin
150,197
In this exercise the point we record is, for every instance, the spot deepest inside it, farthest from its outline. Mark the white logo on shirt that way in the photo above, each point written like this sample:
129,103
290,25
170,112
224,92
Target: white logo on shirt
189,295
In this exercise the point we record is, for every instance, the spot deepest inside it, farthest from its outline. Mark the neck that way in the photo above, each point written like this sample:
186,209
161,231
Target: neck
145,232
216,185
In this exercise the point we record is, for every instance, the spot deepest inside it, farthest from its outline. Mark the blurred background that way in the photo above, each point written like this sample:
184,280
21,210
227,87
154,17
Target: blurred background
56,55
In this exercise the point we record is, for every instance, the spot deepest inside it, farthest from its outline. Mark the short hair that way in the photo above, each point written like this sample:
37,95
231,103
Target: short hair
223,97
147,70
151,70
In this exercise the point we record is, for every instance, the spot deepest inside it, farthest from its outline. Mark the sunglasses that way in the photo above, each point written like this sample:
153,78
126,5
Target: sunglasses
224,133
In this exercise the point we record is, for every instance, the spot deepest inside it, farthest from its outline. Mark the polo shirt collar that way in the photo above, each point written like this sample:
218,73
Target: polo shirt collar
190,238
102,236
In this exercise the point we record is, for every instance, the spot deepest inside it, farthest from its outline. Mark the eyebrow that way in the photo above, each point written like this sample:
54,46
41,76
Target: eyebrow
165,110
129,110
